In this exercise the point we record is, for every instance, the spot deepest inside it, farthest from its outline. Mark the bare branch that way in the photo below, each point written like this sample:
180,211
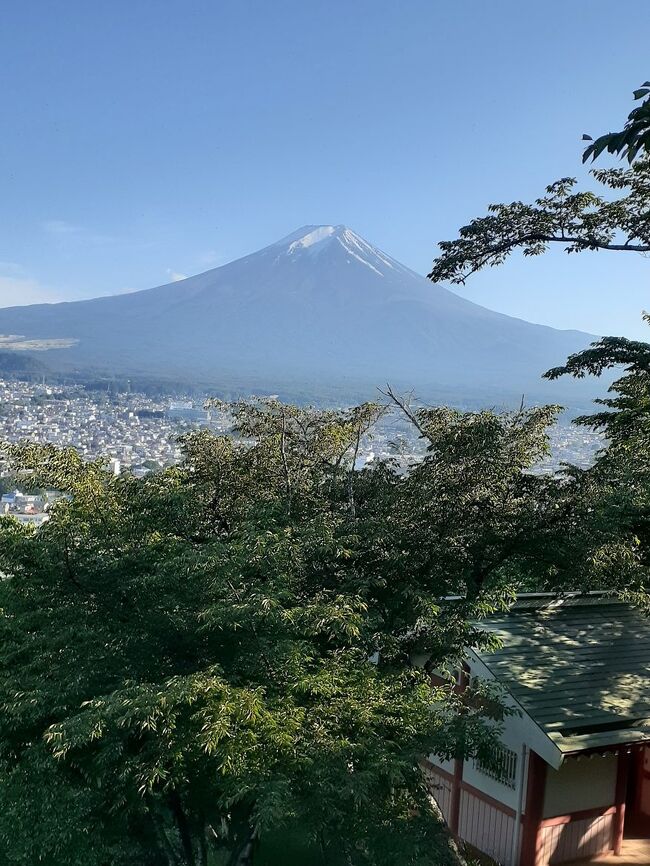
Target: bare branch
285,462
403,405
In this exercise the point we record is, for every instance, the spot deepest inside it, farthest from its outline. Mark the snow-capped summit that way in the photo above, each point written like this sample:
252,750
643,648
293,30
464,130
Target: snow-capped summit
319,239
319,308
309,237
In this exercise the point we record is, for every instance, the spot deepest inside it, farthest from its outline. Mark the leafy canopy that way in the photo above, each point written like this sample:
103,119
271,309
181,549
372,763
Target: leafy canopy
221,651
632,139
622,471
616,490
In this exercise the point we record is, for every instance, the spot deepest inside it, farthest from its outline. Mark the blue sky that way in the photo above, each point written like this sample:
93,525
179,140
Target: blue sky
144,140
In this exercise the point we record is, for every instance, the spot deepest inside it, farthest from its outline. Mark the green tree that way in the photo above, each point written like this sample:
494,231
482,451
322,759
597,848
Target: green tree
632,139
621,475
577,220
611,501
221,651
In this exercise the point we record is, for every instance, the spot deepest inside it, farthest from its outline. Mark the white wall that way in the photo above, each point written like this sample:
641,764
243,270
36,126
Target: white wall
580,783
575,841
448,766
486,828
513,737
514,729
474,777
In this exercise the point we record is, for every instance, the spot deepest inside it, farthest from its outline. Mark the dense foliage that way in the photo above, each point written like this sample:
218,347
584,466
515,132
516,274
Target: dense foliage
622,472
633,139
224,651
220,651
616,491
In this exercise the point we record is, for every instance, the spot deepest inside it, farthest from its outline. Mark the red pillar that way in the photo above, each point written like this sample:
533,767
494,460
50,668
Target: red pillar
454,808
456,786
622,771
534,809
638,772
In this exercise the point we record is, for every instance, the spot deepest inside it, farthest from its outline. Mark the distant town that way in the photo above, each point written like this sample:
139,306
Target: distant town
139,434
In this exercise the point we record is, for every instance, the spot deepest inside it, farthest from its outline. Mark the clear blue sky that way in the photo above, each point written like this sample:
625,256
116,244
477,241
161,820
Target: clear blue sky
150,138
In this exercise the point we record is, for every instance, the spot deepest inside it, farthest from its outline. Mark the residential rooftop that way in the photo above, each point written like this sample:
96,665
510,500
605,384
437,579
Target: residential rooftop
578,666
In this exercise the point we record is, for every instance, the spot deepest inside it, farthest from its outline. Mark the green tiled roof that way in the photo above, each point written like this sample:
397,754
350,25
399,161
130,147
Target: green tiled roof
579,667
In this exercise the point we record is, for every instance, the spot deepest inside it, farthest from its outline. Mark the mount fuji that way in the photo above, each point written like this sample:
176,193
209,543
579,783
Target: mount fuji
320,311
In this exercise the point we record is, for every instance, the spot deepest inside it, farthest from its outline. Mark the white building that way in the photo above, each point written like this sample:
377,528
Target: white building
572,776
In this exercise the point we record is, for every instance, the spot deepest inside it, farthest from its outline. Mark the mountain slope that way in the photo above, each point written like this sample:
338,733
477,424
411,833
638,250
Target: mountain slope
320,307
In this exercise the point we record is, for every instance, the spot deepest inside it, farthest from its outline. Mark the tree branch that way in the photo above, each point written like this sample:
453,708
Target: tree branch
401,403
285,462
508,246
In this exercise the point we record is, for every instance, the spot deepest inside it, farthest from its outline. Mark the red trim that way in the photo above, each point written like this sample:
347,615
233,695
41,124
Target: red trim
577,816
462,681
532,820
534,809
470,789
456,785
640,779
622,770
485,798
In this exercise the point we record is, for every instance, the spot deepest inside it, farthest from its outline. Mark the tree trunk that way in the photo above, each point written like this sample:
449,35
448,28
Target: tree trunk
244,857
183,828
203,846
456,853
153,840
